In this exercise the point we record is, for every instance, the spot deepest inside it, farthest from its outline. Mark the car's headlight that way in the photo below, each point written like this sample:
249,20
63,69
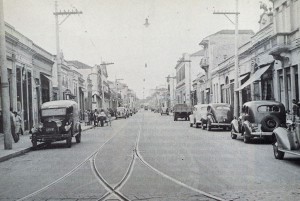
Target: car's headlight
58,123
40,126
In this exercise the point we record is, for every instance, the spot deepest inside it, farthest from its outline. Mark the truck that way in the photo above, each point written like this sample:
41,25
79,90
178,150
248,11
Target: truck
181,111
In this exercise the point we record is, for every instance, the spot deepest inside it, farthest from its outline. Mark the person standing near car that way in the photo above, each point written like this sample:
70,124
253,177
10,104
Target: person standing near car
18,121
295,108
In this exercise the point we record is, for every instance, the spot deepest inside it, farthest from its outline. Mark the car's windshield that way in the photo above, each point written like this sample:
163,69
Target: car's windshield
222,108
53,112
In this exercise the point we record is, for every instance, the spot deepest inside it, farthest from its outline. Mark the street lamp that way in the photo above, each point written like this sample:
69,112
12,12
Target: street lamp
102,87
116,83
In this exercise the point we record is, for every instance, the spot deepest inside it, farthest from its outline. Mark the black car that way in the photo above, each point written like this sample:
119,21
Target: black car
219,115
59,121
259,119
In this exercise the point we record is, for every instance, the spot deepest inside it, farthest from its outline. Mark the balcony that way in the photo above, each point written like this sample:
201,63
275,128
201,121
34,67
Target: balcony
204,63
283,43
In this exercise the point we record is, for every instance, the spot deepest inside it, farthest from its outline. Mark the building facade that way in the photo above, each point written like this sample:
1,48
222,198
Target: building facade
30,76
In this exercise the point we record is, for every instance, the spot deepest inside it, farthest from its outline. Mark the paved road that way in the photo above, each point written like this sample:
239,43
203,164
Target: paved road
151,157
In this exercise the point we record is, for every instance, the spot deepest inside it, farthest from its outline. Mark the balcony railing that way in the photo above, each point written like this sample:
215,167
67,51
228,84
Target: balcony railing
204,63
283,42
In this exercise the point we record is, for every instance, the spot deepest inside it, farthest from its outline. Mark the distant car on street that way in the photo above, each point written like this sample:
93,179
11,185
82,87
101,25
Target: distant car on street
181,111
259,119
121,112
199,116
59,121
164,110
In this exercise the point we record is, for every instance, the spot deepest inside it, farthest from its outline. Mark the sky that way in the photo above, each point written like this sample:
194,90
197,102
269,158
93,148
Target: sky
114,31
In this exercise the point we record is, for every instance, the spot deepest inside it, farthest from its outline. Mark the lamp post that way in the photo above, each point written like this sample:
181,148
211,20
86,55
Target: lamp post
116,83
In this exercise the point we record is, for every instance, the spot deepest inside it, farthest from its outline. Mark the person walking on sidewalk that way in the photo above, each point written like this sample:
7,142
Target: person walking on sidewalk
18,120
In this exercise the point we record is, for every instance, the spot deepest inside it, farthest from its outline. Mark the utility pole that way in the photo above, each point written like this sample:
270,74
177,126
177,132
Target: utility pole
116,83
168,80
57,67
236,61
102,87
4,85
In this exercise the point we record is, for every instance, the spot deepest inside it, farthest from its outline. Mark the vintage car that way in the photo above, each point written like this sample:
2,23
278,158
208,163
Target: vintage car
164,110
258,119
181,111
287,140
59,121
219,115
121,112
199,116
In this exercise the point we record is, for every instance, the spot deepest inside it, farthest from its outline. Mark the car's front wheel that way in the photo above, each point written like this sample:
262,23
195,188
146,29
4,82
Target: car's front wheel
208,125
233,135
69,140
277,154
34,143
246,139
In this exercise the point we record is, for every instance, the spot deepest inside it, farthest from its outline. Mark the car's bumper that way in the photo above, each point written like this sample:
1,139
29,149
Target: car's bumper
220,124
261,134
50,137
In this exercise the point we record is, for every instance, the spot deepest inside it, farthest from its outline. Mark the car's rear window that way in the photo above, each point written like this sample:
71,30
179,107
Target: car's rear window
268,108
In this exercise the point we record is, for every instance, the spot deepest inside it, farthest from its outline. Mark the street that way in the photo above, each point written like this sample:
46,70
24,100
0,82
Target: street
151,157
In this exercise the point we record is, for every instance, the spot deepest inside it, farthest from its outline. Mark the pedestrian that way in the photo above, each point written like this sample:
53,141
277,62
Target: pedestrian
101,117
91,117
18,120
86,118
95,117
295,108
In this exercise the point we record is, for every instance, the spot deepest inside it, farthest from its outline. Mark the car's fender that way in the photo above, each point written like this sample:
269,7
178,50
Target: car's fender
285,139
191,117
247,128
235,126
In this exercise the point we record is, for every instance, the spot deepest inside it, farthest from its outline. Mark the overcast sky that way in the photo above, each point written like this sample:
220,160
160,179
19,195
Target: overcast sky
113,31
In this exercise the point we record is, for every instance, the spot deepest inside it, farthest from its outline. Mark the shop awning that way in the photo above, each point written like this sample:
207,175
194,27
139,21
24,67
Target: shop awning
243,77
256,76
47,76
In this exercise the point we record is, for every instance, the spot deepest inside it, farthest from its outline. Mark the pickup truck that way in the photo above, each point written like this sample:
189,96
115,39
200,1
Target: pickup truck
182,111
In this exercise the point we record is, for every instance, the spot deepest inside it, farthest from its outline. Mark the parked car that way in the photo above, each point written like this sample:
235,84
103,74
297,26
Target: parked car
258,119
219,115
199,116
181,111
286,140
59,121
164,110
121,112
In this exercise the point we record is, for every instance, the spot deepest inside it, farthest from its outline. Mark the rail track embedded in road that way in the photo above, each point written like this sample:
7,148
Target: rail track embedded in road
70,172
115,190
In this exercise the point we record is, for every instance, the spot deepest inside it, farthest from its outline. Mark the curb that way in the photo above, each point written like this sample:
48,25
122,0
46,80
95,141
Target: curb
26,150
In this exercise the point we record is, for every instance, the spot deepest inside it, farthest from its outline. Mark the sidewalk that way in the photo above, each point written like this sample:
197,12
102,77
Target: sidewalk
23,146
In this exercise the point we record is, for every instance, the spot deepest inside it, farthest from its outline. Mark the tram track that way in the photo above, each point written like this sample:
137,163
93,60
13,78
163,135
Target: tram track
115,190
71,172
